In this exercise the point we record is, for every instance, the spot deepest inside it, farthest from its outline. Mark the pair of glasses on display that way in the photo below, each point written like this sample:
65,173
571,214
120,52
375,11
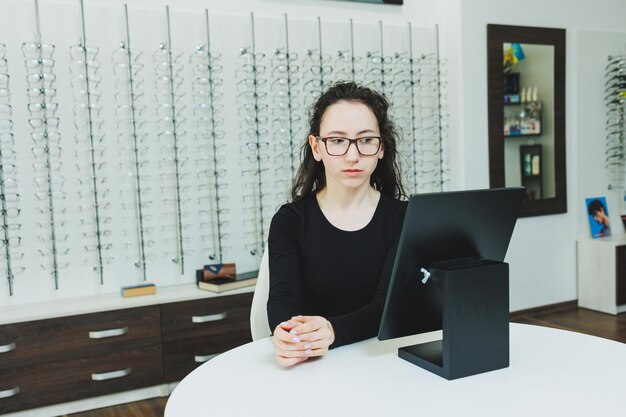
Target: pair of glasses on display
206,92
124,59
313,57
203,56
207,114
249,55
347,65
165,55
205,71
210,148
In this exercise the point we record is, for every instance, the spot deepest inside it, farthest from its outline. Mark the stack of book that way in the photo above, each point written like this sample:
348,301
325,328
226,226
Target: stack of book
223,277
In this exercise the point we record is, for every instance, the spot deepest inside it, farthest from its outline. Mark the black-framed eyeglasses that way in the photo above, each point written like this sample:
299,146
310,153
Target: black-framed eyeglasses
338,146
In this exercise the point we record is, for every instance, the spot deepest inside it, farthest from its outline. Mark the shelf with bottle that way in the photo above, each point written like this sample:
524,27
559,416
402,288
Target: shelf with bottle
530,169
523,119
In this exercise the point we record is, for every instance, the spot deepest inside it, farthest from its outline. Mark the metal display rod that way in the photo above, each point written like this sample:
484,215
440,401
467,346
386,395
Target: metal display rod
352,58
141,263
258,141
413,121
179,221
46,151
92,154
213,137
439,110
292,166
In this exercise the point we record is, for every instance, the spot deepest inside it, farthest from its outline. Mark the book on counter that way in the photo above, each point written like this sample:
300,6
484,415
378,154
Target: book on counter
224,280
224,284
141,289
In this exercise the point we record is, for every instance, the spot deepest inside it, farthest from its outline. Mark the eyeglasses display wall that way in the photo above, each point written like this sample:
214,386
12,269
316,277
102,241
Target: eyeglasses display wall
159,141
615,128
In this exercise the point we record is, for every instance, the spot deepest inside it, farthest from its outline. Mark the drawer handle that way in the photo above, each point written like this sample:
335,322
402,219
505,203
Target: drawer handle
210,317
204,358
111,375
7,348
108,333
10,392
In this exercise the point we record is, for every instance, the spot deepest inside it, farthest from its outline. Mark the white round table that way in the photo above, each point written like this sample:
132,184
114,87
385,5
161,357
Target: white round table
552,373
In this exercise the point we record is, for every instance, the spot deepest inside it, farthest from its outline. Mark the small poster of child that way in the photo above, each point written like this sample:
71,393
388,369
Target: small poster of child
598,214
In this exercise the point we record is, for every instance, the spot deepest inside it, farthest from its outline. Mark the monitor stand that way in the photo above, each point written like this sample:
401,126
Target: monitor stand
475,320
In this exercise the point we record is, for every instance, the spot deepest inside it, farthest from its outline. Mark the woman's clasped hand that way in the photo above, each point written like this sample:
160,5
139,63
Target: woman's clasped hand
302,337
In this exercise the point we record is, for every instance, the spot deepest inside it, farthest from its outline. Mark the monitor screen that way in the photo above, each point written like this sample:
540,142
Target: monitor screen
438,227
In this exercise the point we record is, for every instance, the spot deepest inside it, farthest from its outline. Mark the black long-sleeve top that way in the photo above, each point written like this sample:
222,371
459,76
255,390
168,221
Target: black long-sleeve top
318,269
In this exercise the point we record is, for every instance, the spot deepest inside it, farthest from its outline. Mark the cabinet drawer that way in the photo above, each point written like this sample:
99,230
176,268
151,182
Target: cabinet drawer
183,356
43,341
56,382
207,317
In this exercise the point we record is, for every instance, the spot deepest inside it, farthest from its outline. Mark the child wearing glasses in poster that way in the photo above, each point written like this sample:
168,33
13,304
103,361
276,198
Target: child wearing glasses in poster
598,217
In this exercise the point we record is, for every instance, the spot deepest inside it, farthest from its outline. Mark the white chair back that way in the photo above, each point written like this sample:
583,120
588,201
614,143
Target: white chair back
259,324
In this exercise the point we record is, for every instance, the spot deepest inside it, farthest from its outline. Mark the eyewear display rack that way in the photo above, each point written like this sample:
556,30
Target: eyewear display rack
169,187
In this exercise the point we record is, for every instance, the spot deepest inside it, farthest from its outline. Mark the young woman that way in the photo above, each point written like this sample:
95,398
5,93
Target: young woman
331,250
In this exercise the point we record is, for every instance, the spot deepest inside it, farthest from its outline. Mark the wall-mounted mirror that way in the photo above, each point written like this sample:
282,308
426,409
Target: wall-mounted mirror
526,98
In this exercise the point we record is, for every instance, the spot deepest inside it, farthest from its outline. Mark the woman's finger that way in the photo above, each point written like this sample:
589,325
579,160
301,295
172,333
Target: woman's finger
290,353
282,345
315,352
311,324
284,335
319,344
290,361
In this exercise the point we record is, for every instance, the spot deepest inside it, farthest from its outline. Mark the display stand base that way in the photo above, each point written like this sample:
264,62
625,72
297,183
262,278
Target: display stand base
475,321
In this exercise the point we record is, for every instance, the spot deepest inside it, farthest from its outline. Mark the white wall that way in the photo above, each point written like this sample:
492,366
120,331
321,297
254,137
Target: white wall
592,50
60,24
542,253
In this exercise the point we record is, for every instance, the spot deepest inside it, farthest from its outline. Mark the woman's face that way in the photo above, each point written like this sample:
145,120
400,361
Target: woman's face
347,119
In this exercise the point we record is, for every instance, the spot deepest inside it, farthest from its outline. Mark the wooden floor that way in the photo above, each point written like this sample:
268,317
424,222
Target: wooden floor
568,316
153,407
565,316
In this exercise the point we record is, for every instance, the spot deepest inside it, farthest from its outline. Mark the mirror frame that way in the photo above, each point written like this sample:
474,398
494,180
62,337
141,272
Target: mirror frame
496,36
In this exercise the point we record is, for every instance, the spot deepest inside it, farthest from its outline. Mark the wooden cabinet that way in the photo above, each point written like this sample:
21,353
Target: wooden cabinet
55,382
195,331
602,274
68,358
73,337
62,359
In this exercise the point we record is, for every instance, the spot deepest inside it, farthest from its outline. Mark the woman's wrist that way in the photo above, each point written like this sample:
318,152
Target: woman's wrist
332,332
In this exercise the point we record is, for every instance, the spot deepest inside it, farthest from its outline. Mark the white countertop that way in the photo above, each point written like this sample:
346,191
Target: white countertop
105,302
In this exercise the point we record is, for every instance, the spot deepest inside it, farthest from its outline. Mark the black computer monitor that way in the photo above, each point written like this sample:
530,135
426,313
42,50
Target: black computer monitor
456,226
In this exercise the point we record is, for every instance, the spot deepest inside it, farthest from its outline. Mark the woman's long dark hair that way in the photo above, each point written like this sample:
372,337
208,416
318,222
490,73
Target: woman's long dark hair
386,176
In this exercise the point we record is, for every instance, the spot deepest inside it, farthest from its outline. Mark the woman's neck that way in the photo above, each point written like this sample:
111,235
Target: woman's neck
334,198
348,211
